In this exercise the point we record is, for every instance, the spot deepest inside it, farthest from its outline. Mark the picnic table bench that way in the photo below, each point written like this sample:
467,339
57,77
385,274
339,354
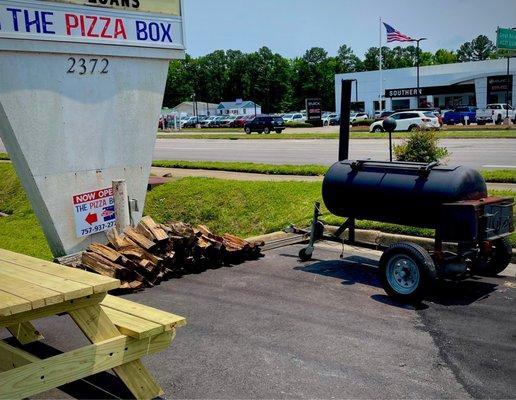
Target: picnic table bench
120,331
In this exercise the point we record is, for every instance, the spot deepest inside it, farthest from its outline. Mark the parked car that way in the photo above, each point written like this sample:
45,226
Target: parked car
241,121
495,113
380,116
459,115
409,121
208,122
294,117
265,124
227,121
331,119
355,117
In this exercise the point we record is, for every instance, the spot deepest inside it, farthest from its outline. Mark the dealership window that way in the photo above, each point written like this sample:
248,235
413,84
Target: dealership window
400,104
377,104
358,106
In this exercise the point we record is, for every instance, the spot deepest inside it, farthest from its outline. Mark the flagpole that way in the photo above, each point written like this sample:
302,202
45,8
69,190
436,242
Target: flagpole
381,72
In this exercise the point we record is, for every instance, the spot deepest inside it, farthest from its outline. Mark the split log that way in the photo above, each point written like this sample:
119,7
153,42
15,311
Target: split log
159,234
105,267
138,238
106,252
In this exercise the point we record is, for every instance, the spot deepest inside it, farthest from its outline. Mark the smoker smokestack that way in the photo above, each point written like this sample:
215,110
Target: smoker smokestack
345,109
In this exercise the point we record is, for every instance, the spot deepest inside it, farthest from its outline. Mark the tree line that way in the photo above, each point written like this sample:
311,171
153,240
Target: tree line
281,84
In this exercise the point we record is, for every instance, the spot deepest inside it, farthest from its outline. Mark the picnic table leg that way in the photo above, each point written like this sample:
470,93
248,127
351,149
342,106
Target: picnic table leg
97,326
25,332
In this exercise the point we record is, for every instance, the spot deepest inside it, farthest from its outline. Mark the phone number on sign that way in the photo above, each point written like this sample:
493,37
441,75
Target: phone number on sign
97,228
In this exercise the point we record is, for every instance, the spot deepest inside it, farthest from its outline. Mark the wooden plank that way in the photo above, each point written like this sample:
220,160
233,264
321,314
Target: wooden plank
37,295
139,310
42,375
69,289
12,357
97,326
98,282
130,325
11,304
47,311
25,333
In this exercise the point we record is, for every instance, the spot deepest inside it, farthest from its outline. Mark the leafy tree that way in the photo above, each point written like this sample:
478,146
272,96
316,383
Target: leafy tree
179,86
348,61
443,56
480,48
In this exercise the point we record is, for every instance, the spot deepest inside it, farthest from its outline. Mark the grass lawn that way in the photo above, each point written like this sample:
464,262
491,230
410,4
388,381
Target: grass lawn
500,176
240,207
234,135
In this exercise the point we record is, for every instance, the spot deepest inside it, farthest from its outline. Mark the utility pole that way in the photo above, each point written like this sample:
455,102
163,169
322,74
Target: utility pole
418,64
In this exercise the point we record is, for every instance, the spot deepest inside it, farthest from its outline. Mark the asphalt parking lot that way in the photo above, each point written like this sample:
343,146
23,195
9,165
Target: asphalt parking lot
279,328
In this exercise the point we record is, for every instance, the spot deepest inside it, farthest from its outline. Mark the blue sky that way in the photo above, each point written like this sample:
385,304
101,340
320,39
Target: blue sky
289,27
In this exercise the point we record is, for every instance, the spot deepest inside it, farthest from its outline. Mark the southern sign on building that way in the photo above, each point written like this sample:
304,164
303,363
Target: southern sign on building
430,91
44,20
92,75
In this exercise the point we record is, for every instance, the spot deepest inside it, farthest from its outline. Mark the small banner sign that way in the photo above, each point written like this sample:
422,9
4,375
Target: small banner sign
170,7
44,20
94,212
506,39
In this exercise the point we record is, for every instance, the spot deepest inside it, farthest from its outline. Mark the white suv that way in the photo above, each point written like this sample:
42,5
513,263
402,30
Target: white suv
410,121
294,117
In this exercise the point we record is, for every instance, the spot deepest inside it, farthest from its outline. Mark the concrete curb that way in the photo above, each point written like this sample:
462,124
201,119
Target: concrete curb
373,237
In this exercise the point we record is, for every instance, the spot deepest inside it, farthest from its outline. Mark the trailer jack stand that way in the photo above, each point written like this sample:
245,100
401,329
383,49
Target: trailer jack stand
317,233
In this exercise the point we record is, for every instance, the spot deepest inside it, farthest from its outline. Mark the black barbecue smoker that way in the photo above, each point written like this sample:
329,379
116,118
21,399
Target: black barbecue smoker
453,200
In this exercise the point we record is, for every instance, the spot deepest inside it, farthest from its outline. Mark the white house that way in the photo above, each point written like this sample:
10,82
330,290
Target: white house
239,107
476,83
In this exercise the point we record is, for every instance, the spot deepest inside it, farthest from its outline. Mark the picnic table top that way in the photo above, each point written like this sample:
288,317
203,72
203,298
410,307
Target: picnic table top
28,283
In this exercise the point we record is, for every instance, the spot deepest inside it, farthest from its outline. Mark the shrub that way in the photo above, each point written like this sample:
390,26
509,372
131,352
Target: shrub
420,146
292,124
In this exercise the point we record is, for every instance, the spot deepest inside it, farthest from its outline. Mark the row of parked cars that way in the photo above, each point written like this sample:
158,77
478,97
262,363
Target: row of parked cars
493,113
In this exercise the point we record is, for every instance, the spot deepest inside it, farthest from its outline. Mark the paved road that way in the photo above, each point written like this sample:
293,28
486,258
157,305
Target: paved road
477,153
278,328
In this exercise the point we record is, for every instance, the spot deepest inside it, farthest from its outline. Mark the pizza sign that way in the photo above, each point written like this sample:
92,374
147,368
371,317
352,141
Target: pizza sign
58,22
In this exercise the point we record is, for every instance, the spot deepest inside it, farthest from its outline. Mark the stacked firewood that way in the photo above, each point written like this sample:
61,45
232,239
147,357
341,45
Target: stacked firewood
149,253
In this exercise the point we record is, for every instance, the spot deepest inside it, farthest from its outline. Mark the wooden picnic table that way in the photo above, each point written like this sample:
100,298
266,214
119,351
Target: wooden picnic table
120,331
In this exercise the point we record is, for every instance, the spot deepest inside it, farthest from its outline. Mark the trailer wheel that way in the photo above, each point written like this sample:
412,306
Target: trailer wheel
496,261
407,271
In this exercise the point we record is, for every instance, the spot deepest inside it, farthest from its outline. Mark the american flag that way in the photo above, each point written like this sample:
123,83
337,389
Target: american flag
396,36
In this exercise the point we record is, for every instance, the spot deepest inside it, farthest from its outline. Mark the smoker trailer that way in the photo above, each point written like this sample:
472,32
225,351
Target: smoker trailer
452,200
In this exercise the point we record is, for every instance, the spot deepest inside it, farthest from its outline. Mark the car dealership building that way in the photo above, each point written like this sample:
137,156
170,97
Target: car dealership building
476,83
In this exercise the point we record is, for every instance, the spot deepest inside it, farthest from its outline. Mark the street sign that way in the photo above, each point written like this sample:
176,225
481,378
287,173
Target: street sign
506,39
81,89
94,212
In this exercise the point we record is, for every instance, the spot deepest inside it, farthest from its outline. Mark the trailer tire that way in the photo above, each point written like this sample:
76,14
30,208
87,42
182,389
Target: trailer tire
407,272
494,263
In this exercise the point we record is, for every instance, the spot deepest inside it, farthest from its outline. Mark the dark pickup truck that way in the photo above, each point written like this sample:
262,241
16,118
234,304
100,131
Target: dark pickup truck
458,115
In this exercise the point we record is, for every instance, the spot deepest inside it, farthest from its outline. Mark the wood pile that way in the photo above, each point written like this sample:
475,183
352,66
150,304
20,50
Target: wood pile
149,253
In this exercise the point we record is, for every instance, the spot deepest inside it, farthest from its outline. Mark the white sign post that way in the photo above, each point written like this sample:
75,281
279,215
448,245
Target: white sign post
81,89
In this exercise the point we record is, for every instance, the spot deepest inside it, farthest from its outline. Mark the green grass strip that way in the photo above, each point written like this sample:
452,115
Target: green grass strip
498,134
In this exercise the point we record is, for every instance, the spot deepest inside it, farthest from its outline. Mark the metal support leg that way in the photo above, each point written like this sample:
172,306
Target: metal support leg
305,254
